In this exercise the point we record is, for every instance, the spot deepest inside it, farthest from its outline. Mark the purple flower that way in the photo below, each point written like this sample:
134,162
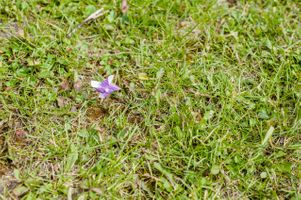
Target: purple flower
106,87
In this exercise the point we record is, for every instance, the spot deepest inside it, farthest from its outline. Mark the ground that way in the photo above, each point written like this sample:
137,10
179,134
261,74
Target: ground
210,105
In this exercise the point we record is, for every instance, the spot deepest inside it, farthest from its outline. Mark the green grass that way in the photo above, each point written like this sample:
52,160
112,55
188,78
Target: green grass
210,105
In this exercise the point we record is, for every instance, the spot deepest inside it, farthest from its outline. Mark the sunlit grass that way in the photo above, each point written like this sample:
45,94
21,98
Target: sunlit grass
209,107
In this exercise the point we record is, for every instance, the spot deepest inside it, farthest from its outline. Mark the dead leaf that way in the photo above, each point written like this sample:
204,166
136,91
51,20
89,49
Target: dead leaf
33,62
8,181
110,62
73,109
77,85
7,88
97,191
62,101
135,118
3,170
65,85
21,133
124,6
93,16
188,27
95,113
232,2
12,29
17,124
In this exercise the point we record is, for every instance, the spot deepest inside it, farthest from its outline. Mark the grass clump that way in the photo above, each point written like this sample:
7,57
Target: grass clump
209,108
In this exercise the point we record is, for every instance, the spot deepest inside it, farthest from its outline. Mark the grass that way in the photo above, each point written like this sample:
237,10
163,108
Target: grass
210,105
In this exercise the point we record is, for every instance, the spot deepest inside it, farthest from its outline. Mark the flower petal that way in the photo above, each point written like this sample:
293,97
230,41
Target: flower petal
103,95
110,79
114,87
95,84
106,87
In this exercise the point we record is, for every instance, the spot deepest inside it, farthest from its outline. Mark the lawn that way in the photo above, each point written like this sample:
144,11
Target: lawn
209,106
